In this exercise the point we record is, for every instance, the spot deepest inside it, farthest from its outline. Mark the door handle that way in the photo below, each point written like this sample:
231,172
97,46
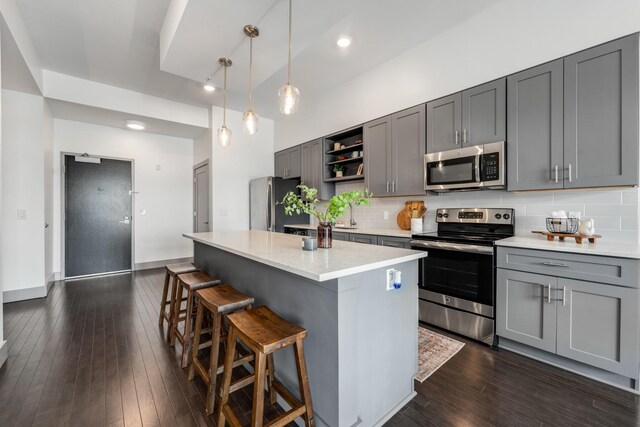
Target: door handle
570,179
564,296
556,174
457,137
393,186
387,186
556,264
549,293
465,136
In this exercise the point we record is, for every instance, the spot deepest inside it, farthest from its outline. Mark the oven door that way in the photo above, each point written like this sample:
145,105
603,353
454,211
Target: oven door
457,275
456,169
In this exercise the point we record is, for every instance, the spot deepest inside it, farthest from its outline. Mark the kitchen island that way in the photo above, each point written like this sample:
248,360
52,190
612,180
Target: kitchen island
362,342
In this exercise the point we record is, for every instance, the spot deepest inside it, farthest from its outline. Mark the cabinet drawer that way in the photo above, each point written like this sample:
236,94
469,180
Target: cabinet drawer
364,238
394,242
610,270
340,236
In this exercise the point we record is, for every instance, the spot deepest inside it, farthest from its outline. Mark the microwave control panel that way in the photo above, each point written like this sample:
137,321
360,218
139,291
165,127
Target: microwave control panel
489,165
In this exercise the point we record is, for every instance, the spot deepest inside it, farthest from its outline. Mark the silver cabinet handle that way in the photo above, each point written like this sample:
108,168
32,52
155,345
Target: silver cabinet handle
457,137
564,296
393,186
556,264
549,293
570,172
556,174
465,136
387,186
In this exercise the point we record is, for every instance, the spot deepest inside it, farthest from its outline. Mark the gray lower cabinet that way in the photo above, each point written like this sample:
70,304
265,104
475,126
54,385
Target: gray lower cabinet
535,128
394,242
363,238
472,117
311,172
601,115
340,236
287,163
591,322
525,309
395,148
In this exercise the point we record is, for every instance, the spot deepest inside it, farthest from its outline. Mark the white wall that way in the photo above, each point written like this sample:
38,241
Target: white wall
47,131
23,240
3,343
506,38
248,157
164,195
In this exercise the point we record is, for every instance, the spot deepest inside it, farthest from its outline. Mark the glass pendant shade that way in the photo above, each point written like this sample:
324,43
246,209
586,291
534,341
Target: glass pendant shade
224,136
289,96
250,122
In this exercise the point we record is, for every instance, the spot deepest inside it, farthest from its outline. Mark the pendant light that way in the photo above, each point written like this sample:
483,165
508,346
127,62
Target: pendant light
249,118
289,95
224,133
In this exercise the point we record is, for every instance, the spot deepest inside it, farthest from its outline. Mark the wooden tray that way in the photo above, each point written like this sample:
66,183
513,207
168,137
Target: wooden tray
561,236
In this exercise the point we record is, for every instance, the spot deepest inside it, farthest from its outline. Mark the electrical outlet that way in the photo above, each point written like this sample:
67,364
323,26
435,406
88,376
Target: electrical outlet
22,214
224,212
385,215
574,214
158,167
390,272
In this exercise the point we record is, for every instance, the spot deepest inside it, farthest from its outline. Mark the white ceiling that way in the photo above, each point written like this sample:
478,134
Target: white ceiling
117,42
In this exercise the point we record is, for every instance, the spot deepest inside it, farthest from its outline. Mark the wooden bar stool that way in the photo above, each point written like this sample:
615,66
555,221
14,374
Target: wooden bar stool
264,332
172,271
219,301
189,282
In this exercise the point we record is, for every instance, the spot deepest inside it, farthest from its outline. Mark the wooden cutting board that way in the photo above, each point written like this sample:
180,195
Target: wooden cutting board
412,209
404,219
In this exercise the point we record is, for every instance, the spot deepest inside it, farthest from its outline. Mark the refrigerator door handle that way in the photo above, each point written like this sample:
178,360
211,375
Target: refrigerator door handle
269,201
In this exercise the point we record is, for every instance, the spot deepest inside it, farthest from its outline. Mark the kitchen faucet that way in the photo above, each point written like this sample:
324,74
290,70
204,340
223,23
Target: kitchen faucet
352,222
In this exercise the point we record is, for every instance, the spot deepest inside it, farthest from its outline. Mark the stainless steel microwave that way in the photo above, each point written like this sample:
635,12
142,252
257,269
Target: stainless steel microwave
469,168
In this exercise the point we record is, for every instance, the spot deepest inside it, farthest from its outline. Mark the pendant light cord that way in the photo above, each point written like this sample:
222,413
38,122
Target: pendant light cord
224,98
289,66
250,70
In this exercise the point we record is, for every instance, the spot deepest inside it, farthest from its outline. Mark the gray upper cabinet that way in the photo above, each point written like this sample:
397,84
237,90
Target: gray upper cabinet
484,113
598,325
377,148
311,172
395,148
444,119
472,117
525,309
287,163
535,126
601,115
408,149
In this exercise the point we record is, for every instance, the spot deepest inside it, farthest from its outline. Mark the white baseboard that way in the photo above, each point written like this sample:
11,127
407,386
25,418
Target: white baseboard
50,281
3,352
15,295
159,264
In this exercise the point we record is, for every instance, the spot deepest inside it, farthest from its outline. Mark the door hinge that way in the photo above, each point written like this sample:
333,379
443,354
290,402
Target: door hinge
194,214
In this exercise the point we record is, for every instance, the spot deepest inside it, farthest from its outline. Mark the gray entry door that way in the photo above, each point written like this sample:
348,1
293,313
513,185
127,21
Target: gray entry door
201,199
98,217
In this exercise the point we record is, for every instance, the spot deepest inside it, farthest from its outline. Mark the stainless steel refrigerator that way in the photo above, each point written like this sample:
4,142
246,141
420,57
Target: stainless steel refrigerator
264,213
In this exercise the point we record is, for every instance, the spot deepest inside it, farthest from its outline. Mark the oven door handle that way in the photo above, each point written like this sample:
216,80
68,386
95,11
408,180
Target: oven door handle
458,247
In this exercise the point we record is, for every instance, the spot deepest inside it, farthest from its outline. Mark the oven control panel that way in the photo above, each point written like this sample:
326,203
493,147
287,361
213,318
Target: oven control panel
476,215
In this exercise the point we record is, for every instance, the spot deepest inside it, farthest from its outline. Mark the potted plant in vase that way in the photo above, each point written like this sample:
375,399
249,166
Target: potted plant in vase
338,170
327,215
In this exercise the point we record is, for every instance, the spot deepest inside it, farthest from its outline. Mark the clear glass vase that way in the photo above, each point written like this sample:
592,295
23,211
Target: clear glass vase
324,235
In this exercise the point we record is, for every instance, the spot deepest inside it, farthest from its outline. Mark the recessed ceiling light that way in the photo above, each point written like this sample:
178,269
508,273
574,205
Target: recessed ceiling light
208,85
344,42
135,125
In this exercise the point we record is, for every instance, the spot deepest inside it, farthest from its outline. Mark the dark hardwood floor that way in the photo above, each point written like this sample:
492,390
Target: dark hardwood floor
92,354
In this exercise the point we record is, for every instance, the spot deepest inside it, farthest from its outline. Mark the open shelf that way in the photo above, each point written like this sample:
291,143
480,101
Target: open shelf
349,160
352,139
349,149
345,178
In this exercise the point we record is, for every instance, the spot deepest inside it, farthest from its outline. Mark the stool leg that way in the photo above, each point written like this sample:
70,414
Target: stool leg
271,379
172,307
257,415
187,329
226,375
176,312
213,363
196,340
163,303
303,382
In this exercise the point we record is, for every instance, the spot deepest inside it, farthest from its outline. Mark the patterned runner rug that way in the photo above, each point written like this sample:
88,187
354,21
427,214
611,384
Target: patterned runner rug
433,351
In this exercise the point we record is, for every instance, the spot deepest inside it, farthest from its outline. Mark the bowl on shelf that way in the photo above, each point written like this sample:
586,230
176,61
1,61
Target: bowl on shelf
563,225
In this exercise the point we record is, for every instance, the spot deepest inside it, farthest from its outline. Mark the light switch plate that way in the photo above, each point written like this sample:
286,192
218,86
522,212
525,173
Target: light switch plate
390,272
22,214
385,215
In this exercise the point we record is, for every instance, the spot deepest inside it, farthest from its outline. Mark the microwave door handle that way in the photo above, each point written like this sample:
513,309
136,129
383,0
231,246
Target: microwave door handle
477,166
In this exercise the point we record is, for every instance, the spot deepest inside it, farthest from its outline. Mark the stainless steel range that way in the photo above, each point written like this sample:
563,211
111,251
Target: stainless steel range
457,279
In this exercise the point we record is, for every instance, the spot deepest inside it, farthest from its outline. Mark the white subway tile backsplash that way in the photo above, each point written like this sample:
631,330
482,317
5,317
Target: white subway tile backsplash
628,223
545,210
630,197
612,210
587,197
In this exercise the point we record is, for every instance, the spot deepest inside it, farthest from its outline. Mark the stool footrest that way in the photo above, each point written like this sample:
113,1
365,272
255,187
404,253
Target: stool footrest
287,417
238,362
204,374
285,394
242,382
230,416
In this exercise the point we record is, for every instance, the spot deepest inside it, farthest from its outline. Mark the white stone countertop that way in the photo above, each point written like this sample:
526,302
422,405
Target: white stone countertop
284,251
390,232
600,247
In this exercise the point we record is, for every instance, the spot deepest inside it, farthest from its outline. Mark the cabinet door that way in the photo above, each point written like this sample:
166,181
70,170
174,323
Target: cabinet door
444,123
294,162
394,242
326,190
484,113
306,169
340,236
377,151
601,115
364,238
526,309
598,325
408,150
535,135
282,164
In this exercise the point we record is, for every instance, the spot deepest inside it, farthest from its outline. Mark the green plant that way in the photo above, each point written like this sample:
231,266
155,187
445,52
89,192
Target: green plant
308,202
338,168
